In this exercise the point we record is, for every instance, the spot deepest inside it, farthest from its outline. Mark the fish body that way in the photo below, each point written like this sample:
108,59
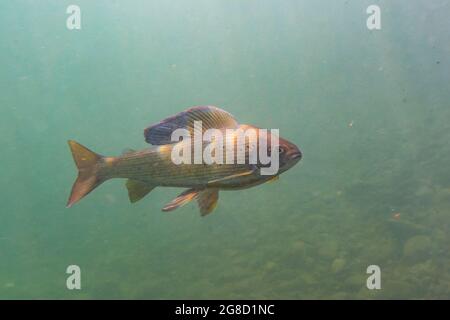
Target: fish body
154,166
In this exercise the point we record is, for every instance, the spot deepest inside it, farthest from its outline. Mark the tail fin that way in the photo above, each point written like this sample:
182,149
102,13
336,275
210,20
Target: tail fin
87,164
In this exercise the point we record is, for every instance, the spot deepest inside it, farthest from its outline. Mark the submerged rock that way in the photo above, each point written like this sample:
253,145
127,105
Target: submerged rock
443,195
356,281
402,229
339,296
270,265
328,250
417,248
298,246
382,250
338,265
10,285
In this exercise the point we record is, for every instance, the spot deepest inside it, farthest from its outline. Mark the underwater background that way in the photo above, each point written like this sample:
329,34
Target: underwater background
368,108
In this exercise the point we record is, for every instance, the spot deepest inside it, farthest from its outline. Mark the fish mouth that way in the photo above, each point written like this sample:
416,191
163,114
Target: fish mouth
297,155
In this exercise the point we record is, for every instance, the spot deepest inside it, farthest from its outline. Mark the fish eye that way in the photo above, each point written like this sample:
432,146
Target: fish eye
280,150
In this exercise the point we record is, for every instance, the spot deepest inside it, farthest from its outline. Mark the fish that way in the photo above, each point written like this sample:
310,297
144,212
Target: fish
153,167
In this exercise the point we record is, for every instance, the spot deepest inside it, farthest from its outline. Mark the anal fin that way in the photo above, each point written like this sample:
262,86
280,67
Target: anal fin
137,189
207,200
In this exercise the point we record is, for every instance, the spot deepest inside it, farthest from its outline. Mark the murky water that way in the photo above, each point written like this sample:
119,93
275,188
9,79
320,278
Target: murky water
369,109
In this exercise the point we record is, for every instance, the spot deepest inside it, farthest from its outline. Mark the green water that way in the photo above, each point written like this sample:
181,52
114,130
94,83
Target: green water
369,109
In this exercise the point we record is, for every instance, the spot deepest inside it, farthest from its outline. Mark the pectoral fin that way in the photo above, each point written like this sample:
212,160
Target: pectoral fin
137,190
233,176
207,200
181,200
275,178
127,151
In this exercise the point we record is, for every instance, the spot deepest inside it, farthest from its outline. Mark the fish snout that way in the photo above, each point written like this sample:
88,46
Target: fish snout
295,154
292,157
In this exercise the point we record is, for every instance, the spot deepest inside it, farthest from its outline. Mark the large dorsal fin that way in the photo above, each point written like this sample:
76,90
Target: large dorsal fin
211,117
